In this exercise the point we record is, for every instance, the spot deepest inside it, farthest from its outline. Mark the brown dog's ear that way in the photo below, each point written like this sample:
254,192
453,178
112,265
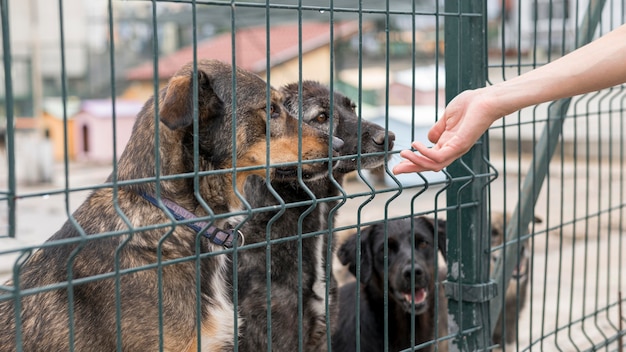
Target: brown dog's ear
176,108
347,254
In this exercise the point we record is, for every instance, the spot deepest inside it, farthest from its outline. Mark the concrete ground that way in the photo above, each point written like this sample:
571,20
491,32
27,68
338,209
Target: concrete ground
577,264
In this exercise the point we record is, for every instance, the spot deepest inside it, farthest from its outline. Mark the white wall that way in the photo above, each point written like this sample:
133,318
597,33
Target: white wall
36,23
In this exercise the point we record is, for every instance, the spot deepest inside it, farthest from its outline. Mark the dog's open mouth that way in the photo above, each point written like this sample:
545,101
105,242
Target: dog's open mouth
521,270
419,300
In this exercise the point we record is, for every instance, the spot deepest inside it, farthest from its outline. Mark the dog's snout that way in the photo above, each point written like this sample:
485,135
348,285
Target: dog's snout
337,143
379,138
406,272
391,138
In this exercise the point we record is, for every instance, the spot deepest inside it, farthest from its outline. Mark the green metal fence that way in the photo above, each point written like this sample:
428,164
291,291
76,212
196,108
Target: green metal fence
560,162
557,142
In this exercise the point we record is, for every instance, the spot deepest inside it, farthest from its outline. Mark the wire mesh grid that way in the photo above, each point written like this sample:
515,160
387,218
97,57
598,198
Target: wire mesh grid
374,52
576,246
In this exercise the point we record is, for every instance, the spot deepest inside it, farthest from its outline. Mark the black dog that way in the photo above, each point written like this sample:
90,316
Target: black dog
402,299
312,219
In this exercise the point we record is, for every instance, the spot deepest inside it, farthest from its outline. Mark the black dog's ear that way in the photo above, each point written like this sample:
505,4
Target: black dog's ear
347,254
290,97
442,241
176,107
440,227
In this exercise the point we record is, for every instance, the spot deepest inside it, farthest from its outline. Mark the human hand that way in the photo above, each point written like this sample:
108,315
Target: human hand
595,66
465,119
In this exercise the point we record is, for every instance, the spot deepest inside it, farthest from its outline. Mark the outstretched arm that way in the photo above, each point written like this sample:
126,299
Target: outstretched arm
597,65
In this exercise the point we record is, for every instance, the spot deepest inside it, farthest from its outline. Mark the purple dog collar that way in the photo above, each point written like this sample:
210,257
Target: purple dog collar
216,235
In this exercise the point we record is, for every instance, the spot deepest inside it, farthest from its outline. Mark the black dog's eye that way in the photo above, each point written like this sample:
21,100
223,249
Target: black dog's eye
421,244
353,107
321,117
393,245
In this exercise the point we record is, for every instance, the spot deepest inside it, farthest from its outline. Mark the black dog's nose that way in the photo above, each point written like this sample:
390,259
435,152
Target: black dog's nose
416,269
379,138
337,143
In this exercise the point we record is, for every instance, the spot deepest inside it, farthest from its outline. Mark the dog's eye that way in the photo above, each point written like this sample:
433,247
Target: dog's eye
421,244
321,118
274,111
353,107
393,245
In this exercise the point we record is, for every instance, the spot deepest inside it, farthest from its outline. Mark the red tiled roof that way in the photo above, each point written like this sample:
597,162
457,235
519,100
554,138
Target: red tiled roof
251,47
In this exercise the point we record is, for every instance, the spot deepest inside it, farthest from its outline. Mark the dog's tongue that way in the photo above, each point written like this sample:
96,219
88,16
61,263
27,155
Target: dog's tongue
420,296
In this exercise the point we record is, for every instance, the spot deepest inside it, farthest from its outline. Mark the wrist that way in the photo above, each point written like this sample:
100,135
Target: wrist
494,103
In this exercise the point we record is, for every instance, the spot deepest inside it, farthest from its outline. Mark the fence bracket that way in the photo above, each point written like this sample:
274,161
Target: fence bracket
475,293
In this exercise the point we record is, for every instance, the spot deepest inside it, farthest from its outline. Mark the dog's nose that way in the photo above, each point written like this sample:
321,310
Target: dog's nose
379,138
337,143
391,137
410,268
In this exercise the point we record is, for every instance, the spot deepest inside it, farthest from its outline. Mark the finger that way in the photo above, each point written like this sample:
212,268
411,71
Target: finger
406,167
433,153
438,128
410,156
415,163
419,146
444,154
438,159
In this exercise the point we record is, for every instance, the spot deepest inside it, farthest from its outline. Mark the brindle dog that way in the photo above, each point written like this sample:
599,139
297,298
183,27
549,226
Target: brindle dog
517,290
111,277
309,217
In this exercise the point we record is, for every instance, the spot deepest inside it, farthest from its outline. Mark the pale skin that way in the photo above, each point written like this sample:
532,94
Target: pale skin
597,65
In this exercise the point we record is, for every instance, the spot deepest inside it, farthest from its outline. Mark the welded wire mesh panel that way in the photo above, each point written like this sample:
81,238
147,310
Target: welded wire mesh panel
568,278
198,208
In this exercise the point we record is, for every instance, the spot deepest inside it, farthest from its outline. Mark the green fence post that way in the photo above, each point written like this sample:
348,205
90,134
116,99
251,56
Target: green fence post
468,286
10,130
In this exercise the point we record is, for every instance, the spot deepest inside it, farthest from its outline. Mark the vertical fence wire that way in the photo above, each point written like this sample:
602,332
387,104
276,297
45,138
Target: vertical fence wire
11,192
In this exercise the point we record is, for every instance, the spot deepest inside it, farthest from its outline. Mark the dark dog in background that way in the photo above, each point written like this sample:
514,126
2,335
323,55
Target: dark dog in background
515,294
402,299
146,289
313,220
